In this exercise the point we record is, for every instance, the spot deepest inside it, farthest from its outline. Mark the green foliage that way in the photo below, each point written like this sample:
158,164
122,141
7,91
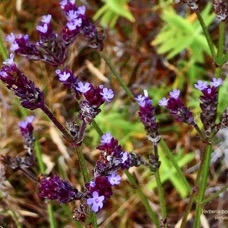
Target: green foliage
112,10
179,33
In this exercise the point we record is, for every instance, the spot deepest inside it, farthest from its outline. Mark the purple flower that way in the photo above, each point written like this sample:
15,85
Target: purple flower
175,93
74,24
216,82
42,28
106,138
63,76
200,85
26,124
141,100
101,185
114,179
46,19
30,96
81,10
83,88
72,14
54,188
163,102
14,47
107,94
10,60
11,38
96,201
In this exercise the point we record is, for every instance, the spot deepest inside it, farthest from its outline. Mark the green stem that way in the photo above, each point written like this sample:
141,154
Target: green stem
39,157
203,183
161,195
168,153
225,58
51,215
3,50
218,71
82,164
143,198
160,189
213,196
116,74
97,128
188,209
206,33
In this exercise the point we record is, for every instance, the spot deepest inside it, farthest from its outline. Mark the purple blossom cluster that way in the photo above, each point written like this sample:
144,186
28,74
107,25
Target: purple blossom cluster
94,97
52,47
148,117
54,188
30,96
177,108
112,159
209,102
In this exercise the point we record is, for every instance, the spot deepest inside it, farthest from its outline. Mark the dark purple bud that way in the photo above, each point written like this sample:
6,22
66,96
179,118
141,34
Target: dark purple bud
54,188
177,109
224,119
30,96
148,118
221,9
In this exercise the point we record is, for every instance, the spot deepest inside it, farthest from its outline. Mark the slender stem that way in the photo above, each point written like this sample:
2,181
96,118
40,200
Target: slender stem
117,75
168,153
213,196
203,183
97,128
3,49
160,189
218,71
221,40
188,209
143,198
199,131
206,33
39,157
57,123
225,58
51,215
82,164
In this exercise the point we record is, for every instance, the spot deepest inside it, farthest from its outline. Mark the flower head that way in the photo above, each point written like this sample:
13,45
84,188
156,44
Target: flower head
83,88
107,94
216,82
96,201
42,28
200,85
106,138
10,60
54,188
175,93
46,19
114,179
163,102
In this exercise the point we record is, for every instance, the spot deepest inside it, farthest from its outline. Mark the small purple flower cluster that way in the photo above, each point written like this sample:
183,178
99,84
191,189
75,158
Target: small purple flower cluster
52,47
31,97
111,160
94,97
209,102
177,108
148,117
54,188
